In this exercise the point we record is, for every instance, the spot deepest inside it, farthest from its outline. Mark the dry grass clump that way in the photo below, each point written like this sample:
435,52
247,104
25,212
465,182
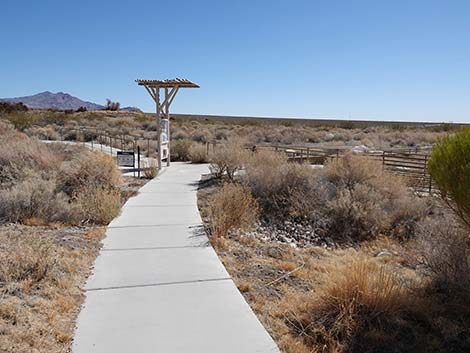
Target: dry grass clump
34,198
26,262
232,207
359,307
96,205
41,273
198,153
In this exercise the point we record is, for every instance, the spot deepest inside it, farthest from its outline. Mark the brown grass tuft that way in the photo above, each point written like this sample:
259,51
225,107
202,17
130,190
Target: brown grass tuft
98,205
359,308
232,207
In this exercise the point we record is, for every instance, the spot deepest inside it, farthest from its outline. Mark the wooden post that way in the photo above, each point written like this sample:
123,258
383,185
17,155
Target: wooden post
163,108
167,113
159,128
138,161
425,172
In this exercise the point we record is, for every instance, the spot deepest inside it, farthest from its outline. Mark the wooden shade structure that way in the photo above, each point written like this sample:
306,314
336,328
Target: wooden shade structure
163,102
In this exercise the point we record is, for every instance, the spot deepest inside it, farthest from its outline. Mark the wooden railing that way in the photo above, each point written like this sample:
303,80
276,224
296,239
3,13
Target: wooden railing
410,163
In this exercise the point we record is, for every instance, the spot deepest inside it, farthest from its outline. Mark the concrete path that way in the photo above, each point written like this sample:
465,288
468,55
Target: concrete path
159,287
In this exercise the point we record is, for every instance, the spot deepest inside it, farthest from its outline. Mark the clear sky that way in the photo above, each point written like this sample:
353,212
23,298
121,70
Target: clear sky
377,59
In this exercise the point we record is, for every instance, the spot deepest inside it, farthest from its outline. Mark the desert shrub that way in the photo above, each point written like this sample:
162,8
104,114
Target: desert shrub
180,150
97,205
198,153
228,159
351,199
358,307
444,247
113,106
143,118
20,154
22,120
279,186
89,170
180,135
363,200
201,135
33,198
8,108
232,207
43,133
449,167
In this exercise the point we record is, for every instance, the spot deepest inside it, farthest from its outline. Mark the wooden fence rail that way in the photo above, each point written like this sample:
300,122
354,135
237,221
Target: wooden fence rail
410,163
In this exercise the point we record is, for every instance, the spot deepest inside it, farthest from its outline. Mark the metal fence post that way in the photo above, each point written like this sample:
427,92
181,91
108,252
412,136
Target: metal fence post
138,161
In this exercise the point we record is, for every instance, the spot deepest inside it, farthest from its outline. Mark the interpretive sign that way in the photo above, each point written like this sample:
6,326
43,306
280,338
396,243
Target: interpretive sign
125,158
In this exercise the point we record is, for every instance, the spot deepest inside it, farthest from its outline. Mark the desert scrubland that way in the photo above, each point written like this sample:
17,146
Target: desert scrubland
342,258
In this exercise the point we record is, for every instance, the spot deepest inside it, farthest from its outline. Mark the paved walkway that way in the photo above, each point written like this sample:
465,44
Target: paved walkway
159,287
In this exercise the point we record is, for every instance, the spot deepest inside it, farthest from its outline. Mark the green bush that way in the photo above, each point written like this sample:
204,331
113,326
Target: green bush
449,166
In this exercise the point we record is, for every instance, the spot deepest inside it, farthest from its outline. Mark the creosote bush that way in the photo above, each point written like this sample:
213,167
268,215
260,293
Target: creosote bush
232,207
449,167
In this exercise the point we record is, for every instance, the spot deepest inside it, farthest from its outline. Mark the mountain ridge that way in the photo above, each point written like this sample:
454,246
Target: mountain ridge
59,100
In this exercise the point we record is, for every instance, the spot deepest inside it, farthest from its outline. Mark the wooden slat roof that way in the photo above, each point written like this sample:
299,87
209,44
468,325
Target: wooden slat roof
167,83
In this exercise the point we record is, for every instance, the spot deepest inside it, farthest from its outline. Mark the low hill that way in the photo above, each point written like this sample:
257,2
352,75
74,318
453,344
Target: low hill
60,100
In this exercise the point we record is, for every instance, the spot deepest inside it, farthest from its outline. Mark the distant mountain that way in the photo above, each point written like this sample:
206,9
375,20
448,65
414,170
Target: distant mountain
59,100
132,109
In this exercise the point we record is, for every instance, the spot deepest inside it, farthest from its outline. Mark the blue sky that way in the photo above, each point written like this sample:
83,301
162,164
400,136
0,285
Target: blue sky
386,60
